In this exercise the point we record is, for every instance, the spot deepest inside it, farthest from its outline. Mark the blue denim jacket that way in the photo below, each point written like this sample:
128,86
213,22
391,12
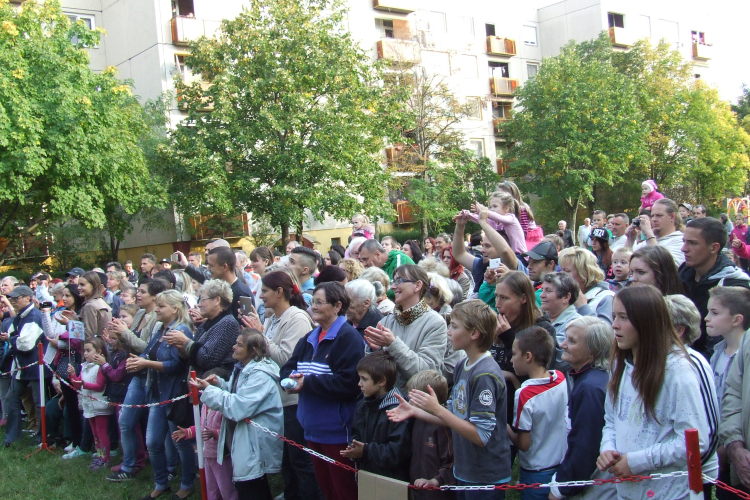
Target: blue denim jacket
175,368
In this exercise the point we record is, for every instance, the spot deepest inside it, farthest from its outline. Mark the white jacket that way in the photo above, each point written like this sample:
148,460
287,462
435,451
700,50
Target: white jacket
658,446
91,408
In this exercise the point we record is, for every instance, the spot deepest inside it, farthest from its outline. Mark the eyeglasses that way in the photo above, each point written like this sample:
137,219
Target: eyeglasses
400,281
318,303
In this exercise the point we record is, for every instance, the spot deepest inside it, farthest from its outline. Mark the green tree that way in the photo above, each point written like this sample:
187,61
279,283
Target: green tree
577,127
69,137
296,119
742,108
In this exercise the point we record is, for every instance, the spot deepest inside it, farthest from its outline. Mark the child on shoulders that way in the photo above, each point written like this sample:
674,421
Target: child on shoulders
361,227
476,410
539,428
431,445
379,445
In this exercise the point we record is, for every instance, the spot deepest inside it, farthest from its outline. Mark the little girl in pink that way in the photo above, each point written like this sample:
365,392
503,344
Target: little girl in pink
649,194
503,209
218,476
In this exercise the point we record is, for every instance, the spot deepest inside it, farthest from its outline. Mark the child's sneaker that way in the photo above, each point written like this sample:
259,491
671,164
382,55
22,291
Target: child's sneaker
77,452
99,463
68,448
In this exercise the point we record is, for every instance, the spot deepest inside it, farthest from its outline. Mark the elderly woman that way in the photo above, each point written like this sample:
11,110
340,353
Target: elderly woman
596,297
324,366
415,335
285,324
382,283
363,307
213,341
586,348
559,294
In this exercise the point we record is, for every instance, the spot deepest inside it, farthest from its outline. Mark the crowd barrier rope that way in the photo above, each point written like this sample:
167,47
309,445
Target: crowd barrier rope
16,370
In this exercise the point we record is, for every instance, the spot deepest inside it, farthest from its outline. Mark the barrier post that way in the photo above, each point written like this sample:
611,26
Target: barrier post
695,472
198,436
42,414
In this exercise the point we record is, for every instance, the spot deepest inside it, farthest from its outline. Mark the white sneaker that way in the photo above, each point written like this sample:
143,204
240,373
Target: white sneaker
279,497
68,448
75,454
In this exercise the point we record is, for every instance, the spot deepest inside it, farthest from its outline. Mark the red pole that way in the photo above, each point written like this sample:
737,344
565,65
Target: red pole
199,437
695,473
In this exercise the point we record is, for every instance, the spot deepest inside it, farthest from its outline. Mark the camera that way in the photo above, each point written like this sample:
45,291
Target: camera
45,304
637,222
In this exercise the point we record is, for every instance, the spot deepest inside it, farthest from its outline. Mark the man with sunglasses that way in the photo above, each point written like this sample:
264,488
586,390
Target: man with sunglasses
23,335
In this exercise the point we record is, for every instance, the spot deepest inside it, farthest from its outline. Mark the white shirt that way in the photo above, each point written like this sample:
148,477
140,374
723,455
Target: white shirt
673,243
617,242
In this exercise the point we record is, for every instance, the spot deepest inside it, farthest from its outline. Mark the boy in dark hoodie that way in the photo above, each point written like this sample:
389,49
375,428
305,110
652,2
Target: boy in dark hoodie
379,445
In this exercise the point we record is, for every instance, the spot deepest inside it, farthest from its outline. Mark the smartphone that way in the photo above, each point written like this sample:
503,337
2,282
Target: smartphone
174,257
246,305
495,263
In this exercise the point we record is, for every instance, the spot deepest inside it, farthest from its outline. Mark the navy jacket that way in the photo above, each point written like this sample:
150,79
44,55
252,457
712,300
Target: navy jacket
586,413
387,449
25,333
330,391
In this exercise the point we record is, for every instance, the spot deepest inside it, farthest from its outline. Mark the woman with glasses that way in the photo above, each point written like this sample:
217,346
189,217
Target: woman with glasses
414,334
215,337
324,368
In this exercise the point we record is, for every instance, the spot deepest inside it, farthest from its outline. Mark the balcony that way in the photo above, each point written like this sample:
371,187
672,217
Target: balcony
497,123
207,103
505,87
403,209
186,29
398,51
502,165
497,46
702,52
400,6
622,37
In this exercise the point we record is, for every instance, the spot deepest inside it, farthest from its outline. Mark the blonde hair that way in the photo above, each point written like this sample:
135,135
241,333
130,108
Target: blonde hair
627,252
432,378
351,266
585,265
364,218
439,288
506,200
433,265
173,298
476,315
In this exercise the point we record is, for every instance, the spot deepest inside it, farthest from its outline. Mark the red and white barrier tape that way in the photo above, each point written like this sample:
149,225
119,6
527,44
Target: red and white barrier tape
121,405
725,486
2,374
519,486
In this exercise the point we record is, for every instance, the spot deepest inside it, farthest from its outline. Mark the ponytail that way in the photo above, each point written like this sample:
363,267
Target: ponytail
283,279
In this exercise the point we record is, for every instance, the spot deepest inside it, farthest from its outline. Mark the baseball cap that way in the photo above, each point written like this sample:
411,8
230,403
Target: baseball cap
20,291
165,261
686,205
76,271
545,250
600,233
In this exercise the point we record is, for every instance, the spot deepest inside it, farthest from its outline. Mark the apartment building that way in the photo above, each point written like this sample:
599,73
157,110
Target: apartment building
482,50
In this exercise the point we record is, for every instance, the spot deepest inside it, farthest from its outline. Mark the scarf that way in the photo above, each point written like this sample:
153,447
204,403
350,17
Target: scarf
409,316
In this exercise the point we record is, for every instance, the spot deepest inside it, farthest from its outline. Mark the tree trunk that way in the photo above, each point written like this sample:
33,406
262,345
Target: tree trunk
423,224
300,238
114,248
574,218
284,235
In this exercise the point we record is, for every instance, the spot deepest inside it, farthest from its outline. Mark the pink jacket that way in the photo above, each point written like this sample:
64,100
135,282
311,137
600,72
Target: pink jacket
211,420
648,201
512,227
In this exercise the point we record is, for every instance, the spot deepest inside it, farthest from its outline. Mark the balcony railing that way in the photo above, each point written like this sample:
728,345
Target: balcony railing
502,165
186,29
497,123
497,46
401,6
503,86
207,103
702,52
621,37
398,51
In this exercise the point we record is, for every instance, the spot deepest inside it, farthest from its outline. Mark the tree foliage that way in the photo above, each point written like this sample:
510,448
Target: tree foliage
296,119
69,137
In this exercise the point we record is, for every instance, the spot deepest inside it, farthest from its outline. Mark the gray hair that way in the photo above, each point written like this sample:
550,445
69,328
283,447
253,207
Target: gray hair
217,288
58,288
355,243
684,314
372,246
564,284
458,292
379,279
598,337
441,284
433,265
447,237
12,279
241,258
363,290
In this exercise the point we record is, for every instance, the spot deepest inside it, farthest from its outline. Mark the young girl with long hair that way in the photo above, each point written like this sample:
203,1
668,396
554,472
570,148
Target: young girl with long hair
504,213
531,231
653,397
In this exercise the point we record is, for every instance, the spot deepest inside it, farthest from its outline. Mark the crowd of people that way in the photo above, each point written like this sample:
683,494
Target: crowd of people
438,362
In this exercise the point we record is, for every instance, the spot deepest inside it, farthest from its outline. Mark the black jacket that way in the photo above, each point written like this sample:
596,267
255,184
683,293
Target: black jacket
568,238
586,413
432,458
724,272
370,318
387,449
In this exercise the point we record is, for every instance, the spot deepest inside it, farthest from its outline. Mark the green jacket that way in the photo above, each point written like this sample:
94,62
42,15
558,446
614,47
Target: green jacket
395,259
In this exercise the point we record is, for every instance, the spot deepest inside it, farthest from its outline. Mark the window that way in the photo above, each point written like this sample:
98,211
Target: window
462,25
88,21
477,145
498,69
436,21
474,105
699,37
529,35
436,62
335,241
615,20
669,31
181,68
502,110
384,28
531,70
489,29
183,8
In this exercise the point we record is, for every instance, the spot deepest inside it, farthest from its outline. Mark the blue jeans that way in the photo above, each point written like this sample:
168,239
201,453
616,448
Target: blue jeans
479,494
531,477
159,429
129,418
